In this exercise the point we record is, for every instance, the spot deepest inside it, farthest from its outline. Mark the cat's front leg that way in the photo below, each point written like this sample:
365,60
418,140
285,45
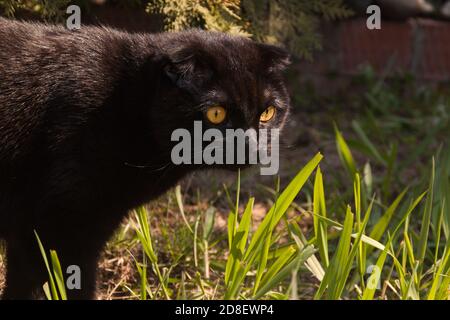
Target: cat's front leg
78,243
25,270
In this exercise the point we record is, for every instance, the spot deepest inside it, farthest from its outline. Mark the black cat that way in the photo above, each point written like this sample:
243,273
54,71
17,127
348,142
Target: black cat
85,130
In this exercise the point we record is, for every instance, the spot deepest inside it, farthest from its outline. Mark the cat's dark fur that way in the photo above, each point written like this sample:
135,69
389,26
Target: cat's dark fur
85,125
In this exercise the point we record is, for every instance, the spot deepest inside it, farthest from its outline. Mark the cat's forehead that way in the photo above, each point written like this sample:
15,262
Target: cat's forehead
238,54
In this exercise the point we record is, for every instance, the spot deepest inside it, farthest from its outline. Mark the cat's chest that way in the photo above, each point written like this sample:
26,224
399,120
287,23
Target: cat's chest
139,185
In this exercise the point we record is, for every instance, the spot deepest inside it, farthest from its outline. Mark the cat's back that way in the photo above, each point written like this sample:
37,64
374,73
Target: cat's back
22,42
38,49
47,73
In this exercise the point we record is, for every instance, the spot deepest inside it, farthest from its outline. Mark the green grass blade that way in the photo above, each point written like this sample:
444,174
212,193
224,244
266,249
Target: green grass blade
335,270
239,243
353,252
53,291
302,256
59,277
208,224
312,263
277,265
344,153
281,205
439,226
374,278
233,215
369,145
143,234
263,257
426,220
320,226
441,278
179,199
381,226
361,255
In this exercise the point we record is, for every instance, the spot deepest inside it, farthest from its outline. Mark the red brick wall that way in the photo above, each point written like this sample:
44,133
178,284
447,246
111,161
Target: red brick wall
419,46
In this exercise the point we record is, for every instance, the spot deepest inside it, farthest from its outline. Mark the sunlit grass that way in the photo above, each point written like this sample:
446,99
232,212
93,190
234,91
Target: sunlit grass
357,258
403,253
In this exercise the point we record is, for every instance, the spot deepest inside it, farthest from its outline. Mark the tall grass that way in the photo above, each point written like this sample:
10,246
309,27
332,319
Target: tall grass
370,248
55,288
363,257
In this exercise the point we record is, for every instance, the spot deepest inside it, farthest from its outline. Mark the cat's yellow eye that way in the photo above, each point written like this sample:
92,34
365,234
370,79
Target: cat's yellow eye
216,114
268,114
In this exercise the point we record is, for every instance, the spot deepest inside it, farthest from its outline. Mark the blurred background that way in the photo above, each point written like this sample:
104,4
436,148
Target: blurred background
386,91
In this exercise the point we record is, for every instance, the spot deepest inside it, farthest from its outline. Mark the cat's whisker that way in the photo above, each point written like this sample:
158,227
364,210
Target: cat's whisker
147,166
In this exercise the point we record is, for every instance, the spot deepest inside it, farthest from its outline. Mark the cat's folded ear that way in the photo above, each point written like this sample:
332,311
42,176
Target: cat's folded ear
275,58
186,68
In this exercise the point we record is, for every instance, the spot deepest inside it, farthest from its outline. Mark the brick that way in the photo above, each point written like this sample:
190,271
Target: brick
359,45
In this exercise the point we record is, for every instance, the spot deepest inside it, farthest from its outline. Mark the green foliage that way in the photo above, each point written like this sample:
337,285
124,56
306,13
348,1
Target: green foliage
53,10
262,258
257,252
214,15
143,233
291,23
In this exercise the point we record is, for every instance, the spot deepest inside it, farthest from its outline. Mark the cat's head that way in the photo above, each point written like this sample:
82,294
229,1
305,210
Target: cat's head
220,81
